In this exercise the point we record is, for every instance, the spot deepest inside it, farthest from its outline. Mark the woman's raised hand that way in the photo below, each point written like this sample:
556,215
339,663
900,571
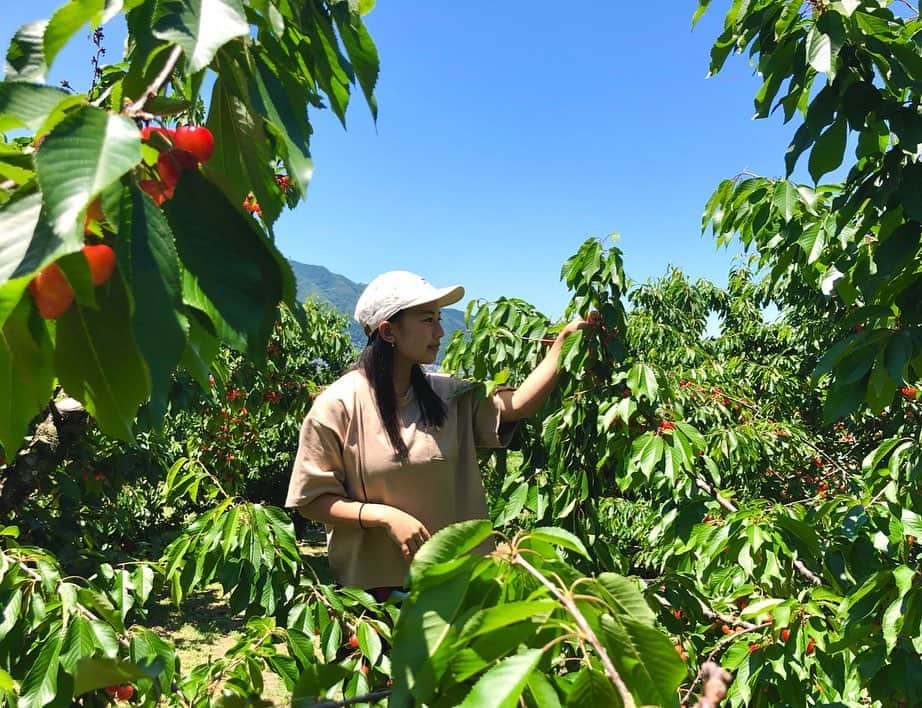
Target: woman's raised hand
592,321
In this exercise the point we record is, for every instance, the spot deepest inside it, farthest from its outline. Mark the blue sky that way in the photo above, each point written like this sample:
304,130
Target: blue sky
510,132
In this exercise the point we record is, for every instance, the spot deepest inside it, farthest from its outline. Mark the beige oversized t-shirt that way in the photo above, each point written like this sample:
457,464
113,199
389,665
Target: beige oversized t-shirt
344,450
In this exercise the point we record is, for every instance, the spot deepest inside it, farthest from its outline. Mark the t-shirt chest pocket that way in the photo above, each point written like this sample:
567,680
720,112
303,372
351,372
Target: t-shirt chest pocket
425,447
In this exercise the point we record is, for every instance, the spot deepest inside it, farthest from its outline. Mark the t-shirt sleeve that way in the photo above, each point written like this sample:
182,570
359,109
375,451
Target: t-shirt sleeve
489,430
318,468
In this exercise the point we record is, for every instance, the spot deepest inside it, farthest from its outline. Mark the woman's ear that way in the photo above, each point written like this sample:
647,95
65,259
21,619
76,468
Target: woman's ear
386,332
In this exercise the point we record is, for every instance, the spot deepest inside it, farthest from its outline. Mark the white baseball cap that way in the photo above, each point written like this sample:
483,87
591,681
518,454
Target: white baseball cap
398,290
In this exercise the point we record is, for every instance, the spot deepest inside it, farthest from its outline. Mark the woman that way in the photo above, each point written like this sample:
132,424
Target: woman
386,455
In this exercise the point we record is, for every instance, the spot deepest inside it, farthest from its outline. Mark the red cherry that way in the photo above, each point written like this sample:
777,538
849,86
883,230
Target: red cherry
785,634
102,262
753,648
171,163
111,690
364,669
149,130
353,641
125,692
811,645
158,191
197,139
52,292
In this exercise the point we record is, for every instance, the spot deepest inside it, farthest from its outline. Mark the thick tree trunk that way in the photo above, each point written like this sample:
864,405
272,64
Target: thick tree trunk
42,453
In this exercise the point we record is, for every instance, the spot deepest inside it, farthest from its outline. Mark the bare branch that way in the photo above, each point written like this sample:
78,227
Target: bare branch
716,681
137,107
584,627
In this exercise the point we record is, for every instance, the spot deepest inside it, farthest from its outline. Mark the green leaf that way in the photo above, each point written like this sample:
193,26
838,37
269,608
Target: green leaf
829,149
98,362
361,50
152,269
369,642
154,656
641,379
41,683
842,399
503,615
201,349
502,685
542,691
422,638
559,537
593,688
645,658
99,672
693,435
813,241
646,452
19,218
26,372
625,597
29,245
760,607
166,105
511,504
240,291
449,543
86,152
785,199
819,50
66,21
286,114
241,162
912,523
79,642
201,27
330,68
25,58
25,105
880,387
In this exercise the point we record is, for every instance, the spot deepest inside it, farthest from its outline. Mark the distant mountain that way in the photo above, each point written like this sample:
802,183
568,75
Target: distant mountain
343,293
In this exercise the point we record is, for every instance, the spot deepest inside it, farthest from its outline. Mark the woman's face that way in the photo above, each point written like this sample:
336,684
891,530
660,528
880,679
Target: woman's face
418,332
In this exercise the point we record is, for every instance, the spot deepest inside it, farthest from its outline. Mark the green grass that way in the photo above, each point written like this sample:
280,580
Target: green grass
202,628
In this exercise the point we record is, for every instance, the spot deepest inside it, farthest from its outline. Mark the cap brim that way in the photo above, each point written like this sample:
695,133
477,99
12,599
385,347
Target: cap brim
443,297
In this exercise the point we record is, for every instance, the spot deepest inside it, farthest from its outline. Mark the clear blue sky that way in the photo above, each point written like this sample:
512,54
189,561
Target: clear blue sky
510,132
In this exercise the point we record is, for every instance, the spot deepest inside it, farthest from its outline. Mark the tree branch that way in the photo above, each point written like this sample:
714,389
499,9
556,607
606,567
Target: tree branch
42,453
716,681
584,627
137,107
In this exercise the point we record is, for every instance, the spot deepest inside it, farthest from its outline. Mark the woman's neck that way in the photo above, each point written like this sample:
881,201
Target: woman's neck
401,375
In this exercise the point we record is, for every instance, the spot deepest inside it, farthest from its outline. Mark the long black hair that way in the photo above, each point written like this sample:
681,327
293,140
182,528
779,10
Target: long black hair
377,362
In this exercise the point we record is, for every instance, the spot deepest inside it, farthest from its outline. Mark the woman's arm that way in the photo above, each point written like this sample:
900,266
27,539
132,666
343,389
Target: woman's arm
528,398
405,530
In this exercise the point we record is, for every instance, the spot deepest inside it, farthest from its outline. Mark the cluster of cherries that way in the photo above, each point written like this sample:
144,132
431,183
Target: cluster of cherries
189,146
120,692
53,294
